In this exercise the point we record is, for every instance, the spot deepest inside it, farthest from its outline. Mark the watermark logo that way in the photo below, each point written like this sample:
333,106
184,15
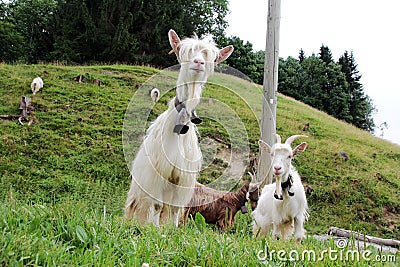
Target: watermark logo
340,252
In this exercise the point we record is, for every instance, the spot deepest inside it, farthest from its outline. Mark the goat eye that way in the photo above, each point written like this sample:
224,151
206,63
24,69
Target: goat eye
290,156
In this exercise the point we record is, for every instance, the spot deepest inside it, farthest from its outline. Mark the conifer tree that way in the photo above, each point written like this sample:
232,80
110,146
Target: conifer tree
32,22
11,40
360,105
74,32
325,54
245,59
302,55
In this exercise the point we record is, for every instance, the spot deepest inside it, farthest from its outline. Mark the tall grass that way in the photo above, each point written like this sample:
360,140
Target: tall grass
71,234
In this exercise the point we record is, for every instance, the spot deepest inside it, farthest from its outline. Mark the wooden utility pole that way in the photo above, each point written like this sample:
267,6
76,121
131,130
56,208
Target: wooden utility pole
268,119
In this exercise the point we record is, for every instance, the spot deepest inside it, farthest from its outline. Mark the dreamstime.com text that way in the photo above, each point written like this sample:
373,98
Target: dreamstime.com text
340,254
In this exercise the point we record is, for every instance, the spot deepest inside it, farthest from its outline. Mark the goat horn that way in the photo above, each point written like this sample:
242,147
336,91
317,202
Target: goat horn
294,137
278,138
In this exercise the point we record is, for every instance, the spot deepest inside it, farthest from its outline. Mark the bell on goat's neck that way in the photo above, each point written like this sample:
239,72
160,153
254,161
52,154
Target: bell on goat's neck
290,192
194,118
278,197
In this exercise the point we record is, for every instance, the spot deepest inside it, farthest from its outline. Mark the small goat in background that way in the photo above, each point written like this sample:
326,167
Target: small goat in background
36,85
282,204
155,94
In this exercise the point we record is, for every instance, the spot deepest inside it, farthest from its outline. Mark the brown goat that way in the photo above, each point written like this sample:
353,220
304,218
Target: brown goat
253,197
217,206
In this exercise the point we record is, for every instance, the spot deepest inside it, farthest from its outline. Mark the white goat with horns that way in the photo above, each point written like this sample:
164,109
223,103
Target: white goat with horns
167,164
282,204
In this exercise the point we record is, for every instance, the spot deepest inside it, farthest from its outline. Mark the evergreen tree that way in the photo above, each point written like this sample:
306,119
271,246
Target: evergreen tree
74,32
302,55
290,75
258,75
331,87
335,91
325,54
360,105
131,31
12,46
312,82
115,36
334,87
245,59
315,83
32,22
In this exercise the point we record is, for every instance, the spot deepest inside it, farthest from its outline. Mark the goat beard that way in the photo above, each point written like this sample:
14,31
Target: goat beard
278,189
190,94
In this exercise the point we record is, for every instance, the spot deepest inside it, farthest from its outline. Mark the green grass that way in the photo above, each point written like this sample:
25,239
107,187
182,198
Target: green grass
64,178
72,234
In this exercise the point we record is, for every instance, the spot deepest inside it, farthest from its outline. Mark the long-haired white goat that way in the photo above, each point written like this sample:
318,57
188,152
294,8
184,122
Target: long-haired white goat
282,204
167,164
36,85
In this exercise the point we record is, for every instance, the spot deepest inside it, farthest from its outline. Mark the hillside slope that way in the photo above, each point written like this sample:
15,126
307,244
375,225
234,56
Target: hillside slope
73,152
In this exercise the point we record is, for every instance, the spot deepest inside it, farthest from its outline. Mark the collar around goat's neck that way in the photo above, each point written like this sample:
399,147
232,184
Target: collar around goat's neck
288,183
242,202
179,105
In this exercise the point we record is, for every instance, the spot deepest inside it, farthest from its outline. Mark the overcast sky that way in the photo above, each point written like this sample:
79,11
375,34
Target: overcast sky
368,28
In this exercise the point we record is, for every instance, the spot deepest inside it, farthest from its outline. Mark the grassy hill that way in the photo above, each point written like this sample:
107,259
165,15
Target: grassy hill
64,177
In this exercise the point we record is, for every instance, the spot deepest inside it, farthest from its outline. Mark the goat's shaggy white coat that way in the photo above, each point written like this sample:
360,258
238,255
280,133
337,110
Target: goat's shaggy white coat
280,208
36,85
165,169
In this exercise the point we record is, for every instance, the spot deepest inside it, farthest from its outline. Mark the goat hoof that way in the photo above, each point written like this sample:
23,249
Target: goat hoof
196,120
278,197
291,193
181,129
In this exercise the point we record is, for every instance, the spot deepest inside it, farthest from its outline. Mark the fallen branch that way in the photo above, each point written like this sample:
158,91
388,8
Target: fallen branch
9,117
380,241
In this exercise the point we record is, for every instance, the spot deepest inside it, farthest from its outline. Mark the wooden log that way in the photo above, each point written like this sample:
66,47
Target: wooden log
347,233
9,117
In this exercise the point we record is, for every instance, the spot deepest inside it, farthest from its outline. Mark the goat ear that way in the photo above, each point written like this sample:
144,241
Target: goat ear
300,148
174,41
224,53
264,145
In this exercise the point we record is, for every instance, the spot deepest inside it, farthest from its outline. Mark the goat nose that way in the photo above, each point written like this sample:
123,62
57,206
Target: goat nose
277,168
199,61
